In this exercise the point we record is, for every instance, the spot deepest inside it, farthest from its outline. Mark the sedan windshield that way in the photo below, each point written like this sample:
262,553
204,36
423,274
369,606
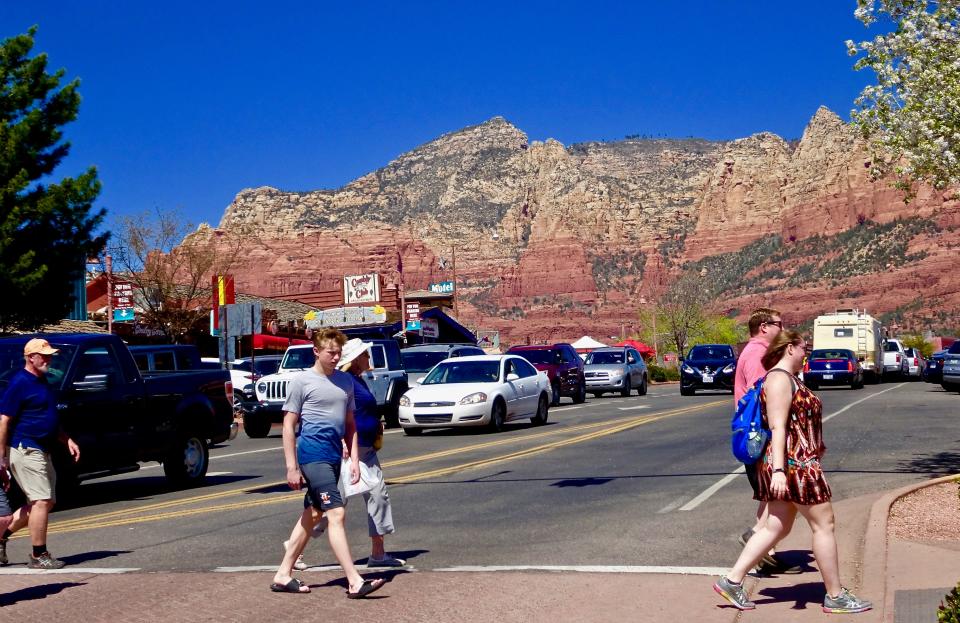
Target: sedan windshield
11,360
454,371
711,352
421,361
604,357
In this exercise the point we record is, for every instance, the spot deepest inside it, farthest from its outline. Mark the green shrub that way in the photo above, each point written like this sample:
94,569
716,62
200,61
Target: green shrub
661,374
949,612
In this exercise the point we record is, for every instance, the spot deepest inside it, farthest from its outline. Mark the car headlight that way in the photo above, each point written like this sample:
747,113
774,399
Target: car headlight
618,372
474,399
404,401
729,368
688,369
262,388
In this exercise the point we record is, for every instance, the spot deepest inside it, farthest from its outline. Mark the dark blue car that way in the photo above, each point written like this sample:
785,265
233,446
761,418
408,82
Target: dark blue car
707,366
933,372
834,366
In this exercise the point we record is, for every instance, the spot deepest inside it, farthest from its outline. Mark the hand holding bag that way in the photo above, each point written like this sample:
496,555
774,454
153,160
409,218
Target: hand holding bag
368,479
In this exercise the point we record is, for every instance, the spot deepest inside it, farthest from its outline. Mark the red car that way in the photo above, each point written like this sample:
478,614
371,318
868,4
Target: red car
562,364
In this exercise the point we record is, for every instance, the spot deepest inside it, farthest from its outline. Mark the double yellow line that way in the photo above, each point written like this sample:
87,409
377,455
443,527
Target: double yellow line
146,513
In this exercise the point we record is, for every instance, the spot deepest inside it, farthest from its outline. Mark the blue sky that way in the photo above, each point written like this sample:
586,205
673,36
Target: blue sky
187,103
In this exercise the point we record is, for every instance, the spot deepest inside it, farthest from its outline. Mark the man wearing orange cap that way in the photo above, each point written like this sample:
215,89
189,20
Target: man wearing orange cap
29,426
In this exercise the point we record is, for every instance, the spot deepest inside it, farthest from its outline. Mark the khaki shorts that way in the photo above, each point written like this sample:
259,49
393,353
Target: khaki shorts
33,471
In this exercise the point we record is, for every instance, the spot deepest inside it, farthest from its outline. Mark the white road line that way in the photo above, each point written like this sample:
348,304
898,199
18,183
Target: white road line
631,408
672,506
316,568
565,408
705,495
591,569
218,473
70,570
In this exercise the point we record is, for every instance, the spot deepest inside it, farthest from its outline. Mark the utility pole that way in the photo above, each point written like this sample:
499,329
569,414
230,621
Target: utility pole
108,264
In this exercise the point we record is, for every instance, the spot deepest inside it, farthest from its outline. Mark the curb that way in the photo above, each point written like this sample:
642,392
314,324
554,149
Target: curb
874,567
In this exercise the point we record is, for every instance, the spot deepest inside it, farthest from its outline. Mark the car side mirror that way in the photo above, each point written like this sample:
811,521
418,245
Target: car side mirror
92,383
513,376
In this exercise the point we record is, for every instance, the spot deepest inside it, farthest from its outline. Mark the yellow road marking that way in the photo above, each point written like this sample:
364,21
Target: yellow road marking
116,518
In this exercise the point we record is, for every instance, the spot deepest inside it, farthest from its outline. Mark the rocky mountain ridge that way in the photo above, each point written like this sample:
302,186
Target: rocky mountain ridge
553,242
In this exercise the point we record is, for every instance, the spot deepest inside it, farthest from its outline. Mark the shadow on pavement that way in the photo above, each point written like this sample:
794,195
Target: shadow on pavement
938,464
77,559
95,492
581,482
801,594
40,591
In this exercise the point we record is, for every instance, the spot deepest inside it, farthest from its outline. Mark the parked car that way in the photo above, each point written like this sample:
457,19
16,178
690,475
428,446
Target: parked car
482,390
915,363
563,366
834,366
121,417
951,368
245,372
615,369
933,371
166,357
387,381
894,358
707,366
418,360
856,330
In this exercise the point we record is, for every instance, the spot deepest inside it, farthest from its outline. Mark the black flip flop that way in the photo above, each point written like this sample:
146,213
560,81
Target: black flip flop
293,586
366,588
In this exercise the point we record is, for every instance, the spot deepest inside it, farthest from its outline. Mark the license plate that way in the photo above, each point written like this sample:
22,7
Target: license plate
708,378
827,377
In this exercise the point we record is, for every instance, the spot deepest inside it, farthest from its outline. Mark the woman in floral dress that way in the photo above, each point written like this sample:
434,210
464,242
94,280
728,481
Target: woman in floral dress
790,478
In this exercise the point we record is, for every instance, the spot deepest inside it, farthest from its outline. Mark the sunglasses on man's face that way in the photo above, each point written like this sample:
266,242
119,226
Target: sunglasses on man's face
779,323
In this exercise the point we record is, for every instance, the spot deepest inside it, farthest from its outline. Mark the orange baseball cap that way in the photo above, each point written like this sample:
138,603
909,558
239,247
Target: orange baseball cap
39,346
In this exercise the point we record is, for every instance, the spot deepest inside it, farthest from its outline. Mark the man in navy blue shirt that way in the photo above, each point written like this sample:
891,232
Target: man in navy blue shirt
29,427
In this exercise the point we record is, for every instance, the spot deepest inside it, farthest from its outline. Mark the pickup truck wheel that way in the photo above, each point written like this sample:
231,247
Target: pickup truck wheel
554,394
542,411
256,426
392,415
68,481
187,461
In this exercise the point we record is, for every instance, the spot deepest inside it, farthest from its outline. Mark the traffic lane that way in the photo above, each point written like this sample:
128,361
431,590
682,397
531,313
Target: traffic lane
184,518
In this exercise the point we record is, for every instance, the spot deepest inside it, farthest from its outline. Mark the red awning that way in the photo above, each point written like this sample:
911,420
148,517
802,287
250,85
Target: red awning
644,350
263,340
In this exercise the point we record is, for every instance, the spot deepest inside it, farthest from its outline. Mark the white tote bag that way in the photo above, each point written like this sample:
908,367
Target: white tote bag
368,479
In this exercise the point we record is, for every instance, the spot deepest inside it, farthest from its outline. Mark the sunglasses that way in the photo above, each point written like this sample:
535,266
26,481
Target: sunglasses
779,323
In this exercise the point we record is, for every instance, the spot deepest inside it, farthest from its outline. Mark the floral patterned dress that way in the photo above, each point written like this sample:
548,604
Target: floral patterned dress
806,483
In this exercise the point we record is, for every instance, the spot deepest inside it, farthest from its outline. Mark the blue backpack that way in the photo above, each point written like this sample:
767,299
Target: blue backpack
749,435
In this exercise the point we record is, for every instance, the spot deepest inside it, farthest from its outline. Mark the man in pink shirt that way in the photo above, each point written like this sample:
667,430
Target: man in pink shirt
764,325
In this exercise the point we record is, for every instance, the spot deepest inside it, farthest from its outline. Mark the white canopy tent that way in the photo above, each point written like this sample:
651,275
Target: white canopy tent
586,343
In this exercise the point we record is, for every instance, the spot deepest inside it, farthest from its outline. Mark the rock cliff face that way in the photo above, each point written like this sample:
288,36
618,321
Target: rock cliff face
553,242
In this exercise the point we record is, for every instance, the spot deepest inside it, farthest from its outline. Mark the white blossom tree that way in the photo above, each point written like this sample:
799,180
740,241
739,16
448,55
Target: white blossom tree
911,116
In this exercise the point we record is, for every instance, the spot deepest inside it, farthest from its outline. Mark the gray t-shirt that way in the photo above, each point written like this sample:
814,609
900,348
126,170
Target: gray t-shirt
322,402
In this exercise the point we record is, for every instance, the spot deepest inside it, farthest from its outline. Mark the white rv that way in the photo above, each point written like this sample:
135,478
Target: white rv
855,330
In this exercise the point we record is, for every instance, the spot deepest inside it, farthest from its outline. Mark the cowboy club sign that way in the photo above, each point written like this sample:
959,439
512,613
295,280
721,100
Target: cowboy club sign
361,289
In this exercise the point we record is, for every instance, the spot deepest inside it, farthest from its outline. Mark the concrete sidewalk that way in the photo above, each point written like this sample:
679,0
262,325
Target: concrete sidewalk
902,578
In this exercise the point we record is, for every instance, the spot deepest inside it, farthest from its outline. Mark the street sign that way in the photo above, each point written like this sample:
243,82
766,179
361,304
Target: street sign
413,325
429,327
222,287
345,317
123,315
241,319
443,287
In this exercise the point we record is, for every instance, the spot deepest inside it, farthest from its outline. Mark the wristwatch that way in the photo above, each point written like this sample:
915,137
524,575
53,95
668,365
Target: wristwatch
779,469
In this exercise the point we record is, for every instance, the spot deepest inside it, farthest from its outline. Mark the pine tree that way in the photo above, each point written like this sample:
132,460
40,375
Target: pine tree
46,230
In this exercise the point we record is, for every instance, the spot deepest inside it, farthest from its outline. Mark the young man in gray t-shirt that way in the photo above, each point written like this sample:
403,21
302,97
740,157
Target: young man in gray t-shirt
321,401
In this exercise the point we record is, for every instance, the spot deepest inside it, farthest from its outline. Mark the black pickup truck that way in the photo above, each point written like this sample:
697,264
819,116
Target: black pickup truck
120,417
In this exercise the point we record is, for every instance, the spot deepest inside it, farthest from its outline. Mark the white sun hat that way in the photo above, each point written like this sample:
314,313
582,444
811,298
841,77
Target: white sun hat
351,350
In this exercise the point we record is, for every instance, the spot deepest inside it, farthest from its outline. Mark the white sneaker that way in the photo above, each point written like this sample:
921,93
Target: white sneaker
299,565
319,527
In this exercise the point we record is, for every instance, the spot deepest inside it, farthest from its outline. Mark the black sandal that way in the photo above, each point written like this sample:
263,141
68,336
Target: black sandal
293,586
366,588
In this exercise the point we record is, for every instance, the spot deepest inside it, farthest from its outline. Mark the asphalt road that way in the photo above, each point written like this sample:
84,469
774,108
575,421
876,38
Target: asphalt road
639,481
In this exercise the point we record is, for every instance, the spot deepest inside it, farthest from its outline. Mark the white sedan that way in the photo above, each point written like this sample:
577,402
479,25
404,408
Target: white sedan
482,390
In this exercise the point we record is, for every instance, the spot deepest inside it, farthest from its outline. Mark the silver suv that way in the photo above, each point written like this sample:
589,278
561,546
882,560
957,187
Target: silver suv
615,369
